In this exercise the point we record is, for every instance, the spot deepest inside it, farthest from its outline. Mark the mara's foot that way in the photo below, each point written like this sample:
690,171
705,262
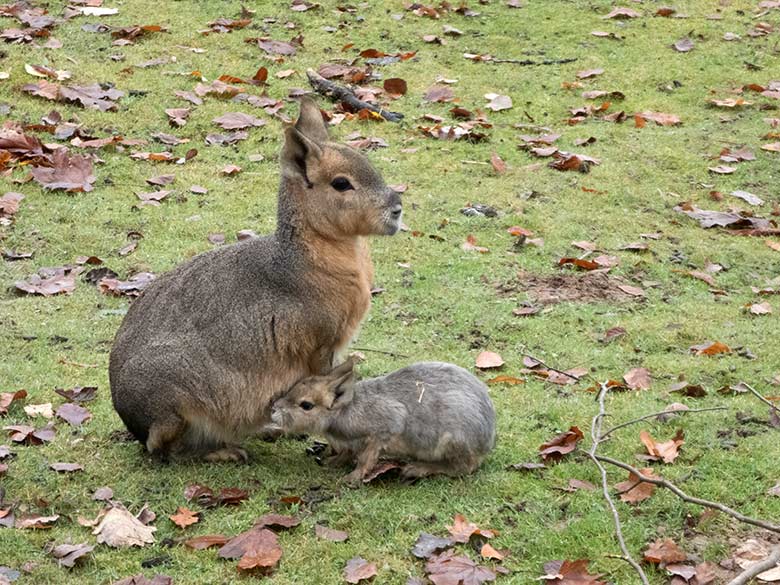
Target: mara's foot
231,453
354,479
339,459
414,471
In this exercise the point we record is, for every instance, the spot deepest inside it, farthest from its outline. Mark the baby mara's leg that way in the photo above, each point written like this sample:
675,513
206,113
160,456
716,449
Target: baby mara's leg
366,461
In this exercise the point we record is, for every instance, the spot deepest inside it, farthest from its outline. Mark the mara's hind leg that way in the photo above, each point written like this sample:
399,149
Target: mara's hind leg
454,468
165,436
227,453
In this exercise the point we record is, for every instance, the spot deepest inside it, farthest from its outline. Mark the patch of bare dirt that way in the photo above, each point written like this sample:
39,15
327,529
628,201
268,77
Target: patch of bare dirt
588,287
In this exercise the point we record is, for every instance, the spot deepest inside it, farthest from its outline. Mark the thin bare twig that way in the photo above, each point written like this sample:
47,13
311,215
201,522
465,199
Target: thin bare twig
382,351
596,438
753,570
645,417
541,363
531,62
659,481
760,397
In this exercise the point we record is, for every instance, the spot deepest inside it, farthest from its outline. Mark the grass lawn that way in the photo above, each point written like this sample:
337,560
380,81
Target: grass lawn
440,302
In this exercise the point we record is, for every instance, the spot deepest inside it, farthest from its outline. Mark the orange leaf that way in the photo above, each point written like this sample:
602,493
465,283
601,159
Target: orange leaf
184,517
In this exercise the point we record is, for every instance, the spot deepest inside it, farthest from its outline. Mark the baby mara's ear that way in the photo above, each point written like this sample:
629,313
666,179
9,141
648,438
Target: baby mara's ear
343,391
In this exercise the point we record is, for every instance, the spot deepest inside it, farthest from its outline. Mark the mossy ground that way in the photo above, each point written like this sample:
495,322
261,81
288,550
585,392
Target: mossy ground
442,306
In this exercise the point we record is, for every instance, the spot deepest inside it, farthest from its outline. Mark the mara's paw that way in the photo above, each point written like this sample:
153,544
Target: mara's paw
414,471
354,479
235,454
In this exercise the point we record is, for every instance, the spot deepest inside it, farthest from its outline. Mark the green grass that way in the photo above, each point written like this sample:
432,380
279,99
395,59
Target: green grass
448,307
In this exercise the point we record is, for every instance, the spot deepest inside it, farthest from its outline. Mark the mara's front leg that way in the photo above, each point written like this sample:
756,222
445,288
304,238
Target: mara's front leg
366,461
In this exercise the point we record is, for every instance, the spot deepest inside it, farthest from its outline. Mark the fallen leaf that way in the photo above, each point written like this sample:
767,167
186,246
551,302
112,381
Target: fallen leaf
359,569
462,530
103,494
730,103
439,93
78,394
666,451
622,13
30,435
331,534
73,414
488,359
35,522
659,118
119,528
34,410
632,491
71,173
638,379
722,170
395,86
569,573
230,170
277,521
206,541
560,445
68,554
588,73
683,45
498,164
256,539
184,517
503,379
710,348
428,544
66,467
8,398
238,121
759,308
665,551
448,569
498,102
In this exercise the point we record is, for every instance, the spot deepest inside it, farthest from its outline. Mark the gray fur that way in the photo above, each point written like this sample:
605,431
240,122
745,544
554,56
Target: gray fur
436,416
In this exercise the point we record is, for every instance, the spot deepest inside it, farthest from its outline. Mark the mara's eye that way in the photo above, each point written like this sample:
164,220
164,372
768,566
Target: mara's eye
341,184
306,405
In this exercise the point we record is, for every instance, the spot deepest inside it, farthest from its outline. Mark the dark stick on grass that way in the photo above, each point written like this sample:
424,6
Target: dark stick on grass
530,62
346,95
757,568
659,481
382,351
761,398
596,438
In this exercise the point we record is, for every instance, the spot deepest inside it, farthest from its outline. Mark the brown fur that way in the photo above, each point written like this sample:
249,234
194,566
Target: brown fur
204,351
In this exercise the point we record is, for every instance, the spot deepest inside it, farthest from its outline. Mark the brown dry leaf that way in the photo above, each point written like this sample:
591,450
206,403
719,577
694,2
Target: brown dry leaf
622,13
569,573
560,445
666,451
665,551
773,147
503,379
395,86
73,414
178,116
9,204
730,103
722,170
588,73
184,517
230,170
488,359
470,245
68,554
331,534
35,410
35,522
710,348
66,467
488,552
277,521
256,539
448,569
141,579
439,93
773,245
131,287
50,281
261,561
30,435
428,544
579,263
684,45
498,102
759,308
8,398
238,121
498,164
359,569
206,541
632,491
119,528
381,469
462,530
638,379
71,173
659,118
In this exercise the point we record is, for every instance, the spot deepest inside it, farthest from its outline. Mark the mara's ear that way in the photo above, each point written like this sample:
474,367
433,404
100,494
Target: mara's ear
310,122
297,153
344,391
339,371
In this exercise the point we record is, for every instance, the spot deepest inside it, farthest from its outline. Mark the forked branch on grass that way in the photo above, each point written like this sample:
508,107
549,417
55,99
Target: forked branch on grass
346,95
757,568
761,398
596,438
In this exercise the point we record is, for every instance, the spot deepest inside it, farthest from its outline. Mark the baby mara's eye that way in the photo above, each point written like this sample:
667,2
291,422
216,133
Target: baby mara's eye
306,405
341,184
